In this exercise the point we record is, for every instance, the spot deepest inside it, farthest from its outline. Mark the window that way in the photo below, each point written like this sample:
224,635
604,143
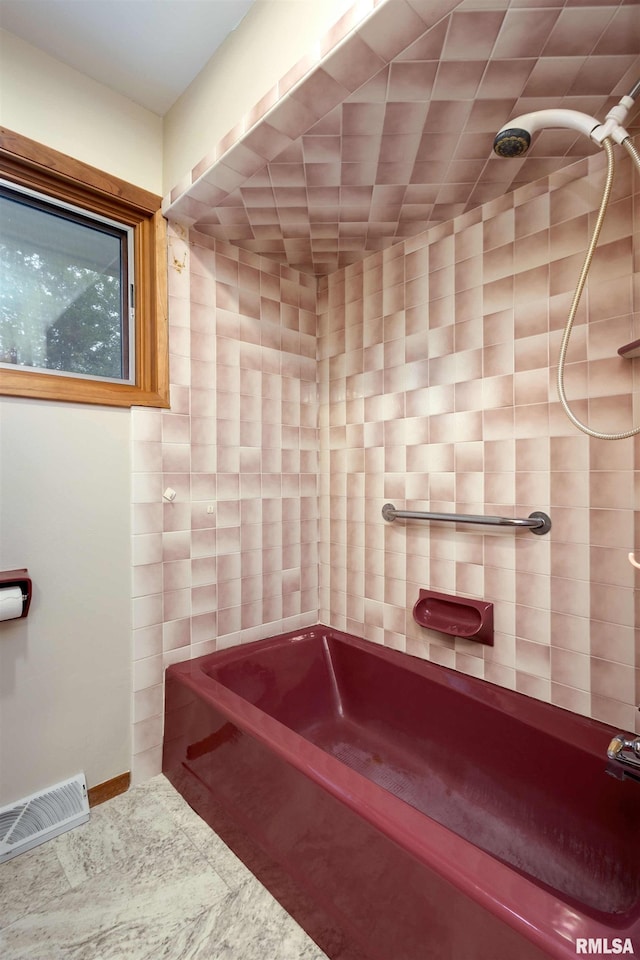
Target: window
66,302
82,282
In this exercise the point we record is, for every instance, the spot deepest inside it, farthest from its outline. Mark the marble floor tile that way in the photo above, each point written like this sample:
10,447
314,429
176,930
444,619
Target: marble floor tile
145,879
113,830
128,910
248,924
224,861
29,881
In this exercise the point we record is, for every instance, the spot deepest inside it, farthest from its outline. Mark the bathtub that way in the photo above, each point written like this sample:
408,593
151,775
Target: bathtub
414,812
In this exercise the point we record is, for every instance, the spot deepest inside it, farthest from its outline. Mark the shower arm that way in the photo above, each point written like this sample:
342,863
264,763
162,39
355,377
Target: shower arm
530,123
514,138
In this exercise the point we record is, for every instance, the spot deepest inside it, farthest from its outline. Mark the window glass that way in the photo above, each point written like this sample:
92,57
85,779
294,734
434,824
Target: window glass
65,289
73,325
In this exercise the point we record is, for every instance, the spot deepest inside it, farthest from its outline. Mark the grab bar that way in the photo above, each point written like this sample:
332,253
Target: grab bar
537,522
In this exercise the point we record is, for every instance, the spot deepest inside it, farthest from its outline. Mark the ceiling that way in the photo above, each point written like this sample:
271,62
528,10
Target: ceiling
147,50
391,132
388,133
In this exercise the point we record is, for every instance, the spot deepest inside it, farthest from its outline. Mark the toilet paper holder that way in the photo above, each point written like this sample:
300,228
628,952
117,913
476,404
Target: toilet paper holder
18,578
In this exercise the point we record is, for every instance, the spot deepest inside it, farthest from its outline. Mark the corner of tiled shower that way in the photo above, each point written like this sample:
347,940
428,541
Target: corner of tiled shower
234,557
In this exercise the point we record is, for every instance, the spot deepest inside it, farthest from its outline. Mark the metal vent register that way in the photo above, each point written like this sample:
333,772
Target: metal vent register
43,816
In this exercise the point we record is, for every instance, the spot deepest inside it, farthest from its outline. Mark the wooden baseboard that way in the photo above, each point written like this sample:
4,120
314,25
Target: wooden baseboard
108,789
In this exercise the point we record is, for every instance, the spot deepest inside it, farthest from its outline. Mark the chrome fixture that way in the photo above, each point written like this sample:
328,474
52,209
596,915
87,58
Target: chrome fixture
624,754
514,139
536,522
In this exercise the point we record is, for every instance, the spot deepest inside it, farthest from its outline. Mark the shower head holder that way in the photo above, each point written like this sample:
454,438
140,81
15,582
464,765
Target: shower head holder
613,123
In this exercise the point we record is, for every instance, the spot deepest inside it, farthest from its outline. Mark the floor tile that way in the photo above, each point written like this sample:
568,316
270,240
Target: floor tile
114,830
248,924
145,879
128,910
29,881
224,861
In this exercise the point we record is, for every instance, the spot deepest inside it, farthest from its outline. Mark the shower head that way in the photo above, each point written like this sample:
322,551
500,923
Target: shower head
512,142
514,138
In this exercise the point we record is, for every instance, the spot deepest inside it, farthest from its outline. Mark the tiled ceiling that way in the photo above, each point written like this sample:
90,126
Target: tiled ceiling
390,132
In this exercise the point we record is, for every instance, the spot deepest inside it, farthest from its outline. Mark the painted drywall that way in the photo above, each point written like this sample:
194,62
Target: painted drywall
65,669
43,99
273,37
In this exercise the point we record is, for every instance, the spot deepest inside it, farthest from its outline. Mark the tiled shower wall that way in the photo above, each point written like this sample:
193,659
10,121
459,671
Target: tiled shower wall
437,362
235,556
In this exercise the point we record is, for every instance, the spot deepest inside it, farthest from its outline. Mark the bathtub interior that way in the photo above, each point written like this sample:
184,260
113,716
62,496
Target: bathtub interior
529,798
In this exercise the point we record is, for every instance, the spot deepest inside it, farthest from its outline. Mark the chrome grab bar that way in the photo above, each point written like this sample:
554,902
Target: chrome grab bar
537,522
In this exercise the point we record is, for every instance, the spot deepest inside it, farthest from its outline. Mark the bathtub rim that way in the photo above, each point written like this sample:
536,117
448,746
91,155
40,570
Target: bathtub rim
441,849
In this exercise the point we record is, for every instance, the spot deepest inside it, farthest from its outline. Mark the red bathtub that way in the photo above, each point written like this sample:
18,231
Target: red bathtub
403,811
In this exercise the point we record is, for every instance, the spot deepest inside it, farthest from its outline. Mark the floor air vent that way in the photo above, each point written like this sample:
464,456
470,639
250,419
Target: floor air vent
42,816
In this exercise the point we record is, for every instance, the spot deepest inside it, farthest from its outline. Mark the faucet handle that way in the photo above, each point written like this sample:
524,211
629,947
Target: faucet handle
620,743
616,745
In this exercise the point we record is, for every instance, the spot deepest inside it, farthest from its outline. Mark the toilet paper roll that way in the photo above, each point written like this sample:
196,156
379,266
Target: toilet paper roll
10,603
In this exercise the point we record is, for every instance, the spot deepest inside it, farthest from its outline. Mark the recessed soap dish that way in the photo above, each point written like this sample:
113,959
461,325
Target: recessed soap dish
455,616
630,350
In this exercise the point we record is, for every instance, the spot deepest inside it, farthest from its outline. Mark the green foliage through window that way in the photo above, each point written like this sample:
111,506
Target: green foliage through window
64,289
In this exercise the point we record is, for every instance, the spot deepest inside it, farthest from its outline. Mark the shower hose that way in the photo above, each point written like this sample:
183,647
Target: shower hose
608,148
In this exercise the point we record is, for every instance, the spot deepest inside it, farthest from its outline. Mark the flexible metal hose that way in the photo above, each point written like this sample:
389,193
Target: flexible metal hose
608,148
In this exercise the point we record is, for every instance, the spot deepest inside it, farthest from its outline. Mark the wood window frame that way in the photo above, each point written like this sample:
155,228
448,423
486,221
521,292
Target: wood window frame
37,167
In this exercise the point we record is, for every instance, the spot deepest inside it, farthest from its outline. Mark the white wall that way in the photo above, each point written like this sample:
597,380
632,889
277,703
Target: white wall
47,101
65,671
269,41
65,668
